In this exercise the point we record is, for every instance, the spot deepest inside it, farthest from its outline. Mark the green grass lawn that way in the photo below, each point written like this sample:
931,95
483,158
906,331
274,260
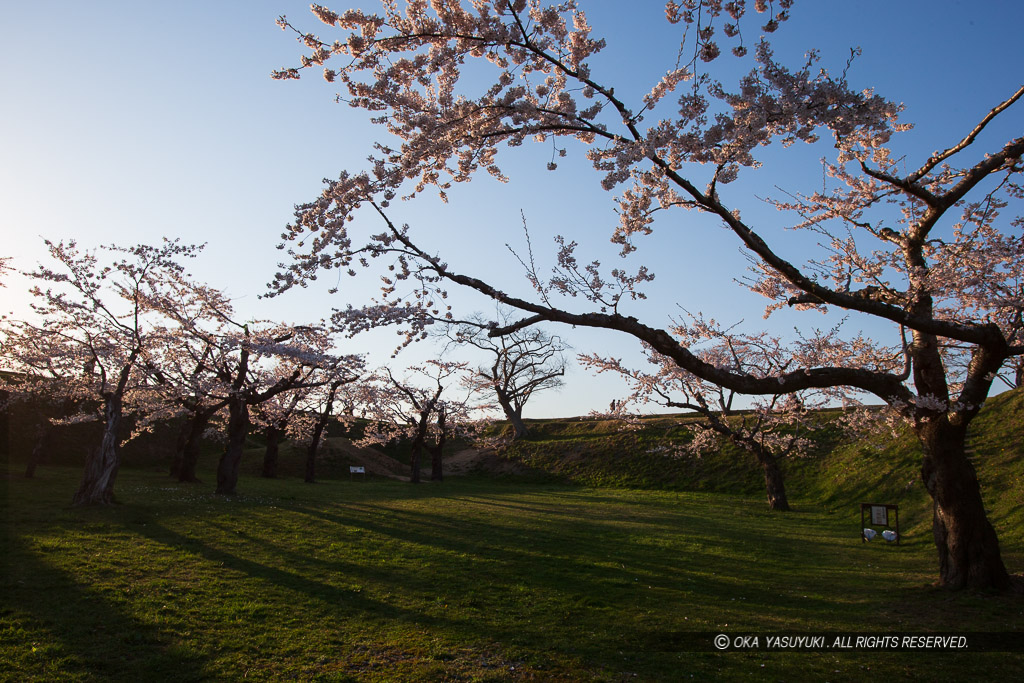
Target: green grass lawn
469,579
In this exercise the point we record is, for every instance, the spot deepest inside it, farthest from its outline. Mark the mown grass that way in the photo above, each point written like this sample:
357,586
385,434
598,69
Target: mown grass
469,579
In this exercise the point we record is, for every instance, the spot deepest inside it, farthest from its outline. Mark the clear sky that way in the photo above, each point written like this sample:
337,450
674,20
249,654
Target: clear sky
127,121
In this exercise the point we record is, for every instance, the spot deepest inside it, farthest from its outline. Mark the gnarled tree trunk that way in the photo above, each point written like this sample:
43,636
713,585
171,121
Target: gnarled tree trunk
190,453
238,428
515,417
186,454
774,483
967,545
97,487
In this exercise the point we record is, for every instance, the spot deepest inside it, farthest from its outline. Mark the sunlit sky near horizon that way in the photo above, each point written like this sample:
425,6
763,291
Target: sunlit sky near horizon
127,121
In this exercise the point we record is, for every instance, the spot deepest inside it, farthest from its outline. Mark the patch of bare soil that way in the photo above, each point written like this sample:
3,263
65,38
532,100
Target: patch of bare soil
374,461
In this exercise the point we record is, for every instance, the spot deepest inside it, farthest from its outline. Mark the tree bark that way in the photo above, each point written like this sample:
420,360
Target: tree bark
38,449
437,452
774,483
414,462
518,426
273,435
436,462
515,417
311,450
969,555
179,447
190,452
238,428
97,487
314,446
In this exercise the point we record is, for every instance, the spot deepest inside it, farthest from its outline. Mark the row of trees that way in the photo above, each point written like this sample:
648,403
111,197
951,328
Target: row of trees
918,248
158,347
124,336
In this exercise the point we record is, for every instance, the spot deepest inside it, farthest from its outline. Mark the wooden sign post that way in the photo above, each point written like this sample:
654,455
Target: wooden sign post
879,514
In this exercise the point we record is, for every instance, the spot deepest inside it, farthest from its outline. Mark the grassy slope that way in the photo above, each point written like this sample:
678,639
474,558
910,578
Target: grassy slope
838,477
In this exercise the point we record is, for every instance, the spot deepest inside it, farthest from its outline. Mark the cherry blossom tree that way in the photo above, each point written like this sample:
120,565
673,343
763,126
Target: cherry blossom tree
302,413
248,382
319,410
412,408
274,416
919,245
769,427
524,362
96,314
179,368
212,362
192,340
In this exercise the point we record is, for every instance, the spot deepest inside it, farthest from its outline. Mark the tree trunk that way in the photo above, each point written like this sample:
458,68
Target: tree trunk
518,426
318,431
437,452
773,481
5,427
417,447
190,452
968,548
238,428
314,446
179,447
97,487
515,417
38,449
311,459
436,466
273,435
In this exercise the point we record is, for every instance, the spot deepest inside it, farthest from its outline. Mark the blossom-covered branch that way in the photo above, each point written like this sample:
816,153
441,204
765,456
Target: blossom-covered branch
930,253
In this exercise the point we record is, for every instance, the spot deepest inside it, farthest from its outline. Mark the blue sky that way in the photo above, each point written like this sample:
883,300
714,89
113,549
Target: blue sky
127,121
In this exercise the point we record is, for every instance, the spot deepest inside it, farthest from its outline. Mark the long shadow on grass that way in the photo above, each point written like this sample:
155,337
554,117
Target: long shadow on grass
68,630
599,563
338,598
595,534
412,584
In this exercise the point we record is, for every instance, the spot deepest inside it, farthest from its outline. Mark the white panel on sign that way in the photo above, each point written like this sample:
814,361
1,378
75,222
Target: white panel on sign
879,515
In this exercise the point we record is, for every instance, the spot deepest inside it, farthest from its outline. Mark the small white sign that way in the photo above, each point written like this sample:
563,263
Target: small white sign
357,470
879,515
